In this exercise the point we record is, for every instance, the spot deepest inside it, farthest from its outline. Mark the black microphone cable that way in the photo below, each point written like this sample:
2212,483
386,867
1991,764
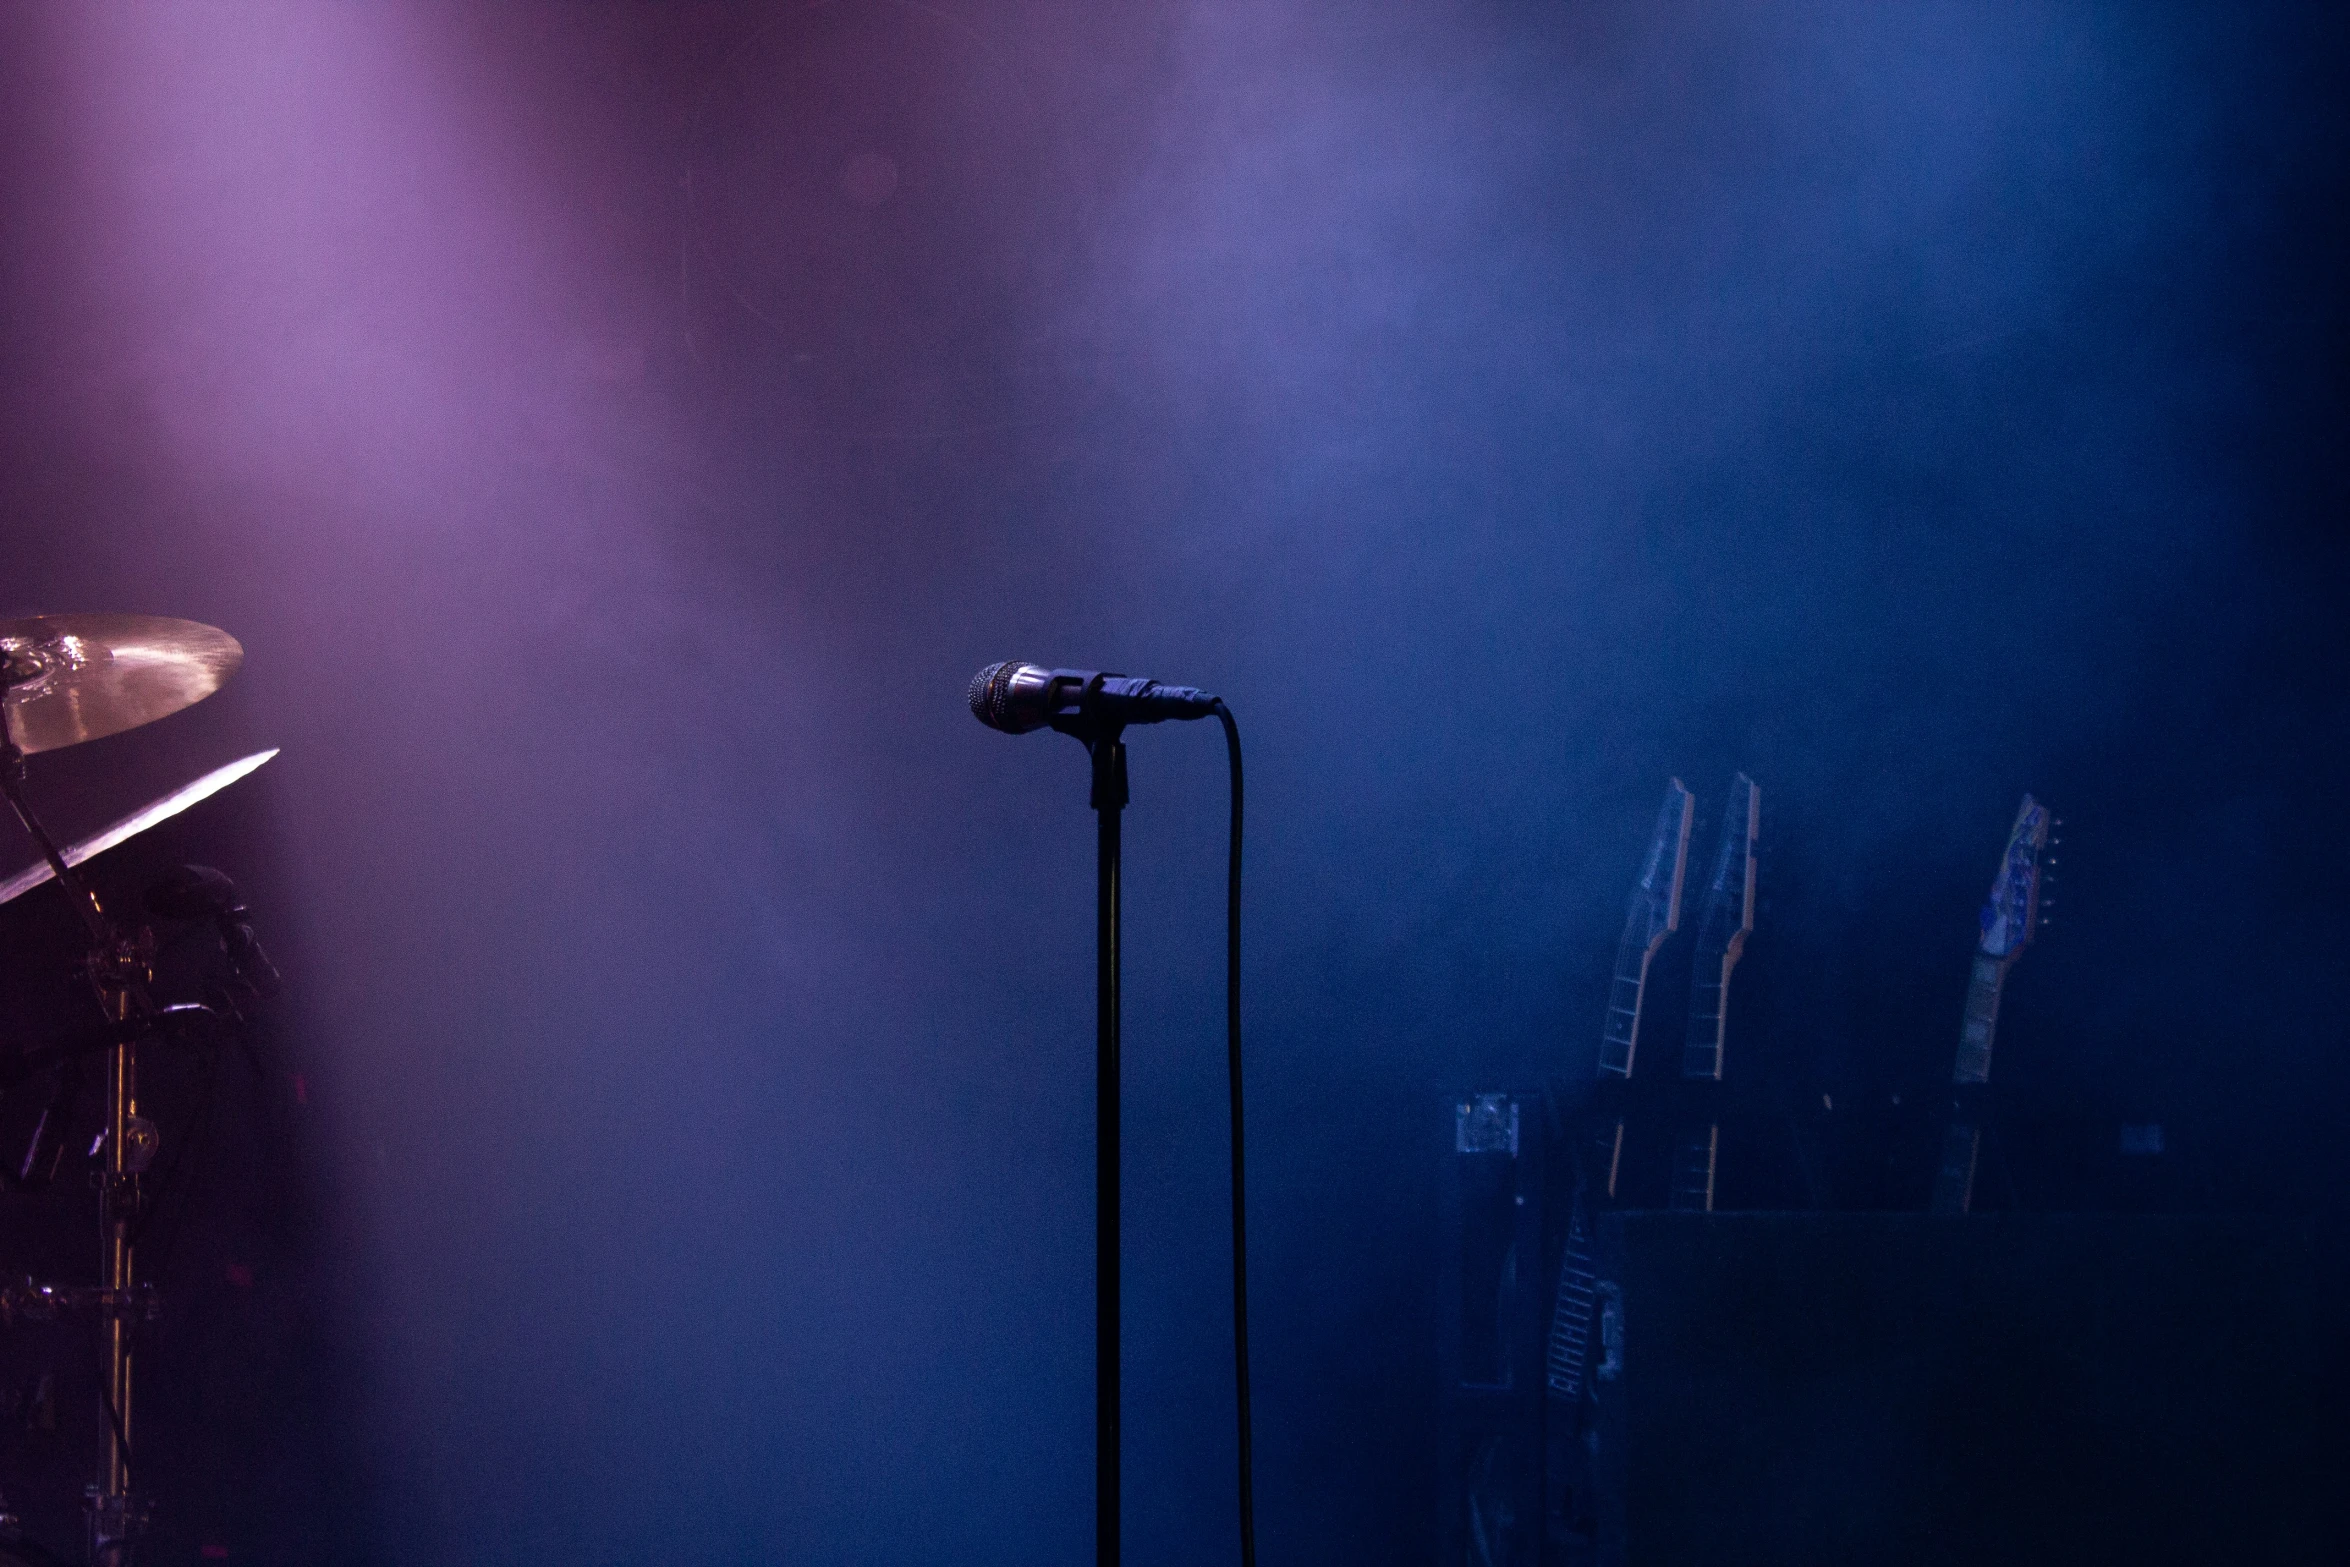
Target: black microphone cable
1248,1501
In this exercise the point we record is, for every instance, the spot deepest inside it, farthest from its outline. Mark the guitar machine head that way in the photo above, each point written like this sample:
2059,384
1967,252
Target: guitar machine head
2012,912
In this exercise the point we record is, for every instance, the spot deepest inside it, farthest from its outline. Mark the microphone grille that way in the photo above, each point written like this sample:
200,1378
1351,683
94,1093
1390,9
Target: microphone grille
989,688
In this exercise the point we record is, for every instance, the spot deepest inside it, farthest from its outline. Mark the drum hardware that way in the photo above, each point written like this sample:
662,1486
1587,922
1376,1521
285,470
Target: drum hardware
118,976
180,1021
200,894
44,1150
65,679
33,1172
32,1301
15,1549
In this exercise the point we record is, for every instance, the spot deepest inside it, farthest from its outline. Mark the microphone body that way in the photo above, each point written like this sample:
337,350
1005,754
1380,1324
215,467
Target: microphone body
1018,698
198,892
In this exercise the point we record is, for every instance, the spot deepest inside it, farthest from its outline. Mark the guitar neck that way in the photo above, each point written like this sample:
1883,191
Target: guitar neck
1981,1021
1722,930
1954,1182
1699,1151
1693,1169
1962,1145
1709,1005
1568,1352
1644,932
1721,937
1655,913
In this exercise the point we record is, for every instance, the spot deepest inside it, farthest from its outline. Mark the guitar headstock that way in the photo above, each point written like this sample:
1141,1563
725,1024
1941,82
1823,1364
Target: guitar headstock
1734,862
2012,912
1667,867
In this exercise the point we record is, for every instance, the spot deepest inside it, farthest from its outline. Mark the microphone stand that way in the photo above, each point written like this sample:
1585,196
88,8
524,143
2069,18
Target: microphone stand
1108,750
1094,709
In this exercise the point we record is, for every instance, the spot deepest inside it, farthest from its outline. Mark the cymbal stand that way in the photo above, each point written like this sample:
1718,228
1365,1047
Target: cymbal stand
119,971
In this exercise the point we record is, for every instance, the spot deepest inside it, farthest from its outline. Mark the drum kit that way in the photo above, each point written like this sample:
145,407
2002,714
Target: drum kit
65,679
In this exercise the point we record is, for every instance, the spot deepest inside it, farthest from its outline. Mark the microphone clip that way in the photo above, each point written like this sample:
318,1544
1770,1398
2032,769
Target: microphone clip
1109,765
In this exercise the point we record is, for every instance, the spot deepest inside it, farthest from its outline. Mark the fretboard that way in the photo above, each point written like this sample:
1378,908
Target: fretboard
1644,932
1981,1021
1954,1183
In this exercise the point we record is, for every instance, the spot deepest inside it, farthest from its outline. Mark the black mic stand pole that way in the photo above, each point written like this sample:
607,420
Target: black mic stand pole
1109,801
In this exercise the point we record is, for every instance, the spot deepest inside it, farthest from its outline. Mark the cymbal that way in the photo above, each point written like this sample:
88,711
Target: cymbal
80,677
137,822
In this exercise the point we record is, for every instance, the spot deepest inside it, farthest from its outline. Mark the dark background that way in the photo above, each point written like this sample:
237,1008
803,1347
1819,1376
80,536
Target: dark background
615,472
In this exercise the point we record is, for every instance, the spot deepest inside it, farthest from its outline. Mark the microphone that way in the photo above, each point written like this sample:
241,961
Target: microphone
1017,698
198,892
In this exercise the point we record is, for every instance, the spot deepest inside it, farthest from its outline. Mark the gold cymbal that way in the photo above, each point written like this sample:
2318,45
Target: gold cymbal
81,677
